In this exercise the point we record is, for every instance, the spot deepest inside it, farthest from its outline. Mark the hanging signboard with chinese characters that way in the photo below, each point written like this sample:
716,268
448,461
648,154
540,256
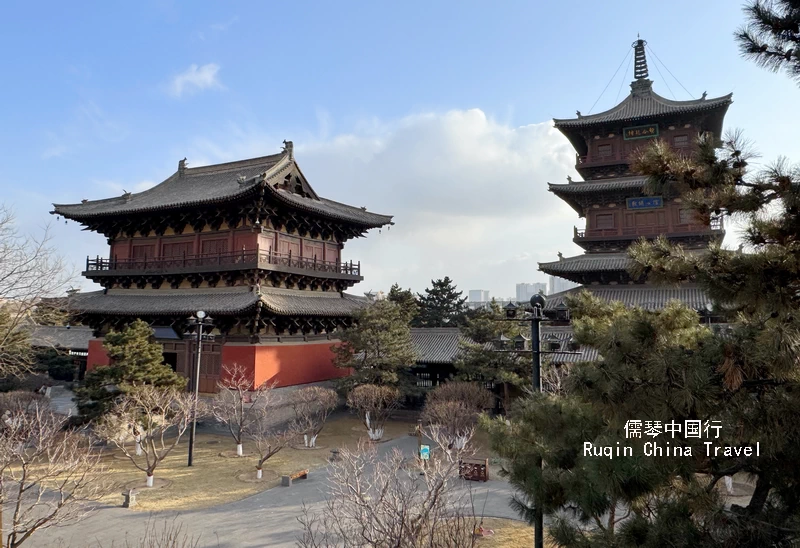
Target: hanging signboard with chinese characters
649,202
640,132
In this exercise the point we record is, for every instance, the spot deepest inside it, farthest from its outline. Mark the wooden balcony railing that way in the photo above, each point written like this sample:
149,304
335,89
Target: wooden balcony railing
634,231
231,259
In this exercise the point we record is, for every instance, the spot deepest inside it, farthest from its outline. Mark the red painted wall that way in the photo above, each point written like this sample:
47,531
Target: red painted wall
97,355
286,364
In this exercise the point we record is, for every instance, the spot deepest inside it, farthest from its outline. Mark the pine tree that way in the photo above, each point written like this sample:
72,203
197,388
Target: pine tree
771,36
441,305
485,325
136,361
663,365
405,299
378,348
657,366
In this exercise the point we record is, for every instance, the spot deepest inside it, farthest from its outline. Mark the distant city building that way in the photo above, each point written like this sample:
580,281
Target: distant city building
478,305
525,291
478,295
557,285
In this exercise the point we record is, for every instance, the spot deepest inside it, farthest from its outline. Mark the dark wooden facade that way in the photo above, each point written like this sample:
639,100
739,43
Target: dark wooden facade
611,197
249,242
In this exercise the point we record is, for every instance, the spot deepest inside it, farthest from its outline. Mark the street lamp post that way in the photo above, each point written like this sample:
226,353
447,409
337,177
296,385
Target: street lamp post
536,317
200,319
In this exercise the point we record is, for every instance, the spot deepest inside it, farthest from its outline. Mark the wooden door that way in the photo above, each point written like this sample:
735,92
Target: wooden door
214,251
142,254
210,366
287,244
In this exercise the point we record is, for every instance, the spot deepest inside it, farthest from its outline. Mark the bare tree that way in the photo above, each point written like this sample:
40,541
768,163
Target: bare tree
392,502
312,406
48,476
471,394
554,376
455,408
20,401
374,405
30,269
155,416
237,402
269,437
170,535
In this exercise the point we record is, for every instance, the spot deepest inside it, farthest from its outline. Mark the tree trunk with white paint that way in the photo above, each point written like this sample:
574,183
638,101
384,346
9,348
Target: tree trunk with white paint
149,480
376,434
138,446
258,473
239,451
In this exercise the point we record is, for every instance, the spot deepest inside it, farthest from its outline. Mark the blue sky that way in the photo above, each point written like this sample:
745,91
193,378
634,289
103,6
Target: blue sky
436,112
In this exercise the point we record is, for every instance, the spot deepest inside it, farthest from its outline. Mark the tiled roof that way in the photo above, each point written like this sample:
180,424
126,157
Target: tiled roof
626,183
588,262
436,344
220,301
642,103
69,338
292,302
220,183
563,334
643,296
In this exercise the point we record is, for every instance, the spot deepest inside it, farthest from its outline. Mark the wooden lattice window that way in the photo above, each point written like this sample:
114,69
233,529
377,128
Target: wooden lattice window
605,151
142,251
686,216
214,247
177,249
681,141
604,220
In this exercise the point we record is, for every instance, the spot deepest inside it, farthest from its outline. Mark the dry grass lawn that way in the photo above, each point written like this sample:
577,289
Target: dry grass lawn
212,480
508,533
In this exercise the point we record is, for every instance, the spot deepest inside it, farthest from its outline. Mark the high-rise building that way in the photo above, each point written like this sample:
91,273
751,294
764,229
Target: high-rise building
527,290
557,285
478,295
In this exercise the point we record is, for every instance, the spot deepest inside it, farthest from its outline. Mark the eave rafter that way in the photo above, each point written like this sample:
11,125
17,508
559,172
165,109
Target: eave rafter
254,210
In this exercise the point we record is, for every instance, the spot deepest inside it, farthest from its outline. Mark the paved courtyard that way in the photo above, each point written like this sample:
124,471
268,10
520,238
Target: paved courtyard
266,519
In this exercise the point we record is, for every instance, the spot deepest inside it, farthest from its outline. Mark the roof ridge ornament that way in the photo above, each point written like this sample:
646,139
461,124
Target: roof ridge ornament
640,59
288,149
181,167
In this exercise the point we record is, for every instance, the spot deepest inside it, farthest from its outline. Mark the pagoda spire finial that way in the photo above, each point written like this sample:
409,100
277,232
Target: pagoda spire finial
640,60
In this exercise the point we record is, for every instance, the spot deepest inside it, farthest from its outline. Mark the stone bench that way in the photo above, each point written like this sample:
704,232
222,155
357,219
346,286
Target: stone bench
286,481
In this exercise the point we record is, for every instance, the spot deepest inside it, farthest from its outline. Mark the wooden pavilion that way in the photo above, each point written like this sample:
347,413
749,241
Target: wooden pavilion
248,242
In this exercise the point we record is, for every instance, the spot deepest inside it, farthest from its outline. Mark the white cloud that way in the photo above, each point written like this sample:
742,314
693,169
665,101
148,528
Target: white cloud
195,78
469,195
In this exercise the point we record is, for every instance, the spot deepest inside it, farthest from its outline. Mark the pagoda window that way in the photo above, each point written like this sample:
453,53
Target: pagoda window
176,249
645,219
680,141
604,220
686,216
605,151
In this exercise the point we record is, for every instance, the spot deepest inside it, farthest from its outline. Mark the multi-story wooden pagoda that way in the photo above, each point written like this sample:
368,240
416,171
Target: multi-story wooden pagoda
610,197
251,244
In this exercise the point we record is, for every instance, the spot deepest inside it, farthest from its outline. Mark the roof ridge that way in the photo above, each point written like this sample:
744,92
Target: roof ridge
232,166
645,95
